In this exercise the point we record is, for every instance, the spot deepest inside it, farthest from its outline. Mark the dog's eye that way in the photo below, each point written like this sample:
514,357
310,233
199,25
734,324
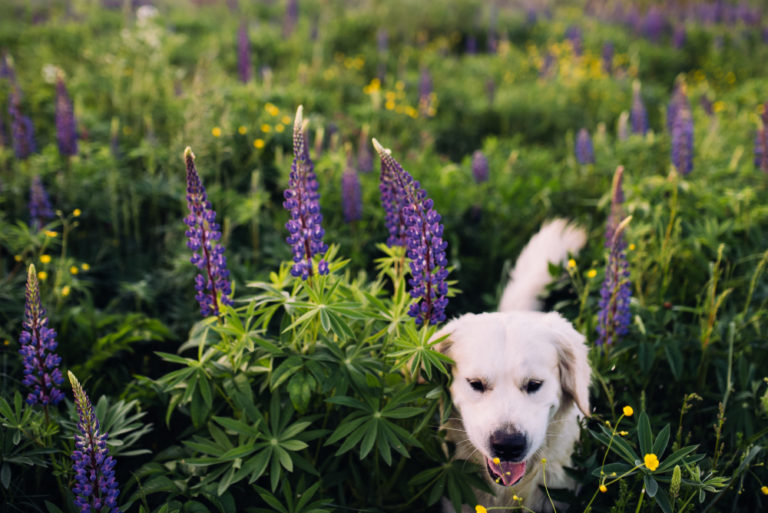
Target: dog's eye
476,385
532,386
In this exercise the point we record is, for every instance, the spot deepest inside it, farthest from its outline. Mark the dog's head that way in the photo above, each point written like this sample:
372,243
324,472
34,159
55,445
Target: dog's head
514,372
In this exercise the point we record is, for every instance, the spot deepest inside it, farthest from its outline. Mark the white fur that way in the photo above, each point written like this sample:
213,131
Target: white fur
506,350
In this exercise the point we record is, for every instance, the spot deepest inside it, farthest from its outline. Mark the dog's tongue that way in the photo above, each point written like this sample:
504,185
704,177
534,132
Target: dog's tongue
507,473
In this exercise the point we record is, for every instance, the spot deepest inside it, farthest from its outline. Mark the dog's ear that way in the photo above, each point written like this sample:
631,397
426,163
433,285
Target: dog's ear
575,372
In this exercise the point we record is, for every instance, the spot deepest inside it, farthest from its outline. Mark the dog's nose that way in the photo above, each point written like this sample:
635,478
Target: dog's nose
508,446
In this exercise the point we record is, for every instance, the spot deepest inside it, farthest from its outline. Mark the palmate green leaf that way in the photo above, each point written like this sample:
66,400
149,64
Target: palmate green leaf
238,426
285,370
660,444
371,430
345,428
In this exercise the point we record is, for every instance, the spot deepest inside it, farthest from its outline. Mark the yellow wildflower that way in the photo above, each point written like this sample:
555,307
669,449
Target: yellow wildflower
74,269
46,259
279,127
480,509
216,131
623,433
718,106
42,276
51,234
76,212
764,489
266,128
571,263
496,461
85,267
65,290
516,498
591,273
651,461
242,130
632,246
272,109
17,258
258,143
628,411
603,488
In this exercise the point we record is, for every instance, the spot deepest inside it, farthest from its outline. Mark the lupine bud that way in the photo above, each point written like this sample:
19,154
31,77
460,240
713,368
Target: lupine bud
674,484
682,141
573,34
21,127
423,240
614,317
638,115
479,166
585,152
40,211
38,343
364,156
212,285
351,198
95,485
616,214
303,202
66,126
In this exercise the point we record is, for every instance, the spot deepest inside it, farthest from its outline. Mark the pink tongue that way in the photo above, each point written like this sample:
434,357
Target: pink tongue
507,472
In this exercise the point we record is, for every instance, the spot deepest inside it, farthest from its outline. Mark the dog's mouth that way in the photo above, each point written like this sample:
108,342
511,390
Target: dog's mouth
505,473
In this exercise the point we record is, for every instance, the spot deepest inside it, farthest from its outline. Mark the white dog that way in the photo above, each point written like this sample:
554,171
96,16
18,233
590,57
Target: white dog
519,381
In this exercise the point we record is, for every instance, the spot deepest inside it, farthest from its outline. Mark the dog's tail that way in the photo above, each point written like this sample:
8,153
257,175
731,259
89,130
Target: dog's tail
530,275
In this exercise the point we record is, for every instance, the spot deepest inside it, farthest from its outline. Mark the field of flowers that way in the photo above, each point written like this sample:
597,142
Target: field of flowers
218,294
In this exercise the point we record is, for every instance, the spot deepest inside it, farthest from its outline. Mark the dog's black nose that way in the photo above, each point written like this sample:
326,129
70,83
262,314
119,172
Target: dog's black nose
508,446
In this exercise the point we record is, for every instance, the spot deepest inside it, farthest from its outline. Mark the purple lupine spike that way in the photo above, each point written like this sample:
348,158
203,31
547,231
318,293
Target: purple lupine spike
614,317
682,141
303,202
677,102
638,115
547,65
364,156
212,285
394,201
480,166
761,142
616,214
471,44
96,488
607,54
654,24
425,92
424,243
38,343
6,69
291,17
573,34
585,152
66,126
678,37
21,127
40,211
244,66
351,195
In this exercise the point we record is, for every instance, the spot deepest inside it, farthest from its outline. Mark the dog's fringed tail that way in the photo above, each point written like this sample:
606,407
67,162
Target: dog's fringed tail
530,276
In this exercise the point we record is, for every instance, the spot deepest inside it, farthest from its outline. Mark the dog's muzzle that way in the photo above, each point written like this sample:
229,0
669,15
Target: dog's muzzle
506,467
505,473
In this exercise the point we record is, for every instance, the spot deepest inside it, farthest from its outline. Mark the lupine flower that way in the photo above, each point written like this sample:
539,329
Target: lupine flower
364,156
547,65
678,37
653,24
761,142
573,34
616,214
6,70
303,202
614,316
21,127
38,343
479,166
424,242
244,67
607,55
95,485
351,198
425,92
212,285
682,141
291,17
638,115
622,128
471,45
66,126
40,210
678,101
585,152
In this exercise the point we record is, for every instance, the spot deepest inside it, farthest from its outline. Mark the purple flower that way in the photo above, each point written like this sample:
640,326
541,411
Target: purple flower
303,202
616,214
40,210
424,242
291,17
95,485
21,126
244,67
654,24
614,317
585,152
66,126
678,37
351,197
425,93
682,141
212,285
479,166
761,142
364,156
638,115
607,54
573,34
471,45
547,65
38,343
677,102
